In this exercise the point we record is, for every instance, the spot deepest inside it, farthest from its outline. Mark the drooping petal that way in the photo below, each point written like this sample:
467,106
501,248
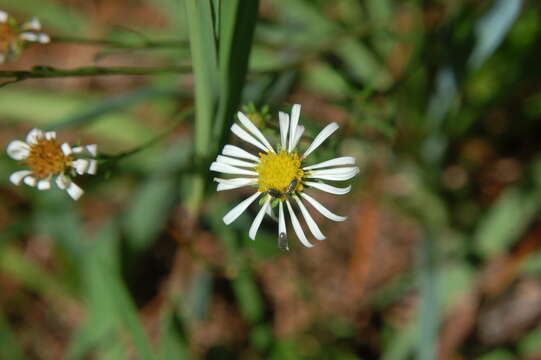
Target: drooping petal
234,213
258,219
297,226
228,169
314,229
284,126
322,209
344,160
74,191
33,136
44,184
328,188
241,133
235,151
320,138
30,180
18,150
248,124
294,121
281,219
32,24
298,135
18,176
234,162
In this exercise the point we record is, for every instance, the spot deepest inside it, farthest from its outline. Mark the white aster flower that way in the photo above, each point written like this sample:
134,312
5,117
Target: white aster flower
280,176
47,159
14,37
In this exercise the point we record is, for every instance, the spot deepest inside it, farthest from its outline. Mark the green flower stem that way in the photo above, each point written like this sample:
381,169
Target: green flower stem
143,44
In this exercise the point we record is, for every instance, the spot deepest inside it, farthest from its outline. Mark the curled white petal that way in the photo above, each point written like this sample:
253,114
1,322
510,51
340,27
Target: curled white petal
234,213
62,182
30,180
314,229
294,121
284,127
66,149
241,133
234,162
32,24
297,226
248,124
235,151
18,176
18,150
320,138
33,136
328,188
81,166
228,169
74,191
298,135
344,160
3,16
44,184
258,219
92,167
322,209
29,36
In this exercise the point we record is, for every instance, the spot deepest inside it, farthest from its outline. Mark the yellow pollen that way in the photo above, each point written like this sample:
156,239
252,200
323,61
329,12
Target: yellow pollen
46,158
276,171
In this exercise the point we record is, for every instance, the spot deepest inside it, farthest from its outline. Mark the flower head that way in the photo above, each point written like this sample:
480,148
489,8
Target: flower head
47,159
13,37
281,177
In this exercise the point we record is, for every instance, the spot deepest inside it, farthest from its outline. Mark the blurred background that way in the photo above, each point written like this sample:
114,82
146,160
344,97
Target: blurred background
439,101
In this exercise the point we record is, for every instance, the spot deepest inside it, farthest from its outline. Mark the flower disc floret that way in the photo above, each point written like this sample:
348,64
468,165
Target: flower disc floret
46,158
276,171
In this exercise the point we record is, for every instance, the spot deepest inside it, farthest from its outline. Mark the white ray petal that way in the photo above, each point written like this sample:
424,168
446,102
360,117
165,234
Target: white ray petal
80,165
235,151
30,180
294,121
29,36
32,24
18,176
281,219
241,133
74,191
335,171
328,188
18,150
44,184
33,136
43,38
248,124
92,149
50,135
322,209
298,135
3,16
338,177
297,226
228,169
314,229
344,160
258,219
223,187
66,149
234,162
284,127
320,138
92,167
270,212
62,182
236,181
234,213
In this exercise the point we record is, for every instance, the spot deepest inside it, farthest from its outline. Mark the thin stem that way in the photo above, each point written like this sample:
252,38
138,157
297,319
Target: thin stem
143,43
40,72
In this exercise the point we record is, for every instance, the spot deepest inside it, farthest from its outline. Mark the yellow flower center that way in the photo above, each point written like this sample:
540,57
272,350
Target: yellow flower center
276,171
7,36
46,158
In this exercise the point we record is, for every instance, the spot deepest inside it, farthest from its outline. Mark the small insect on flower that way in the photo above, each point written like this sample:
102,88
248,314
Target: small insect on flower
14,37
280,175
47,159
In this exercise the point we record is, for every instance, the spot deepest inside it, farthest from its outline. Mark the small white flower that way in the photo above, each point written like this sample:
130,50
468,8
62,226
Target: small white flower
14,37
280,176
47,159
